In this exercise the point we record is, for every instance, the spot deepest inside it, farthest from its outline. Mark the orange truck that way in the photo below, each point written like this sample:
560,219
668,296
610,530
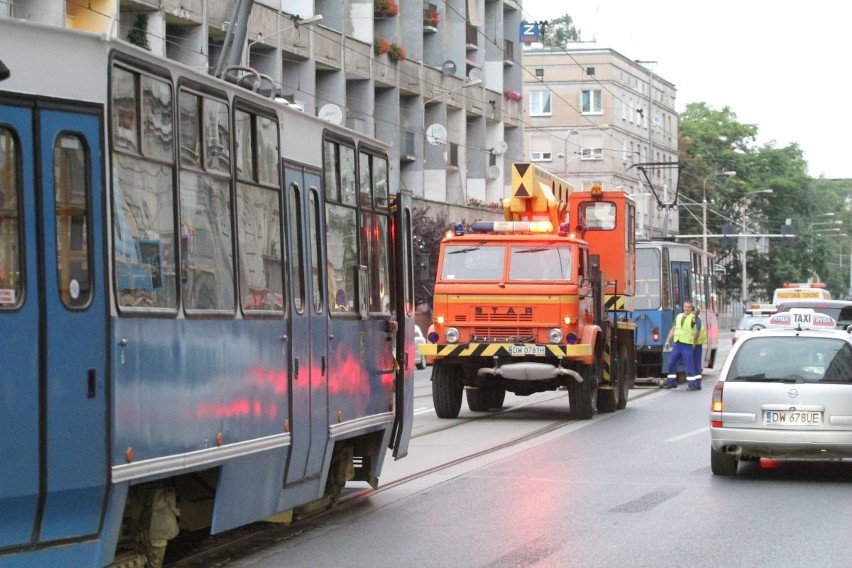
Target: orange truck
537,302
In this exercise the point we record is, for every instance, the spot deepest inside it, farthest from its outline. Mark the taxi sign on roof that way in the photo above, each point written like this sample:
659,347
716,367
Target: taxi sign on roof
802,318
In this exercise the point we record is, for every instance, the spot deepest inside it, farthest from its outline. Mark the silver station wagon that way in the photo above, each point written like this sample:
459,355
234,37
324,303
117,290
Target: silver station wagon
784,393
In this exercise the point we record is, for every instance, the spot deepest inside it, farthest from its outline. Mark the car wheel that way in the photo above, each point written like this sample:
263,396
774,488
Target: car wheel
447,391
723,464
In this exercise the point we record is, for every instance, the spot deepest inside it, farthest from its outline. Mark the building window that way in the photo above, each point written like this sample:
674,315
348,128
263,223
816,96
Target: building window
541,156
539,74
592,102
540,103
592,154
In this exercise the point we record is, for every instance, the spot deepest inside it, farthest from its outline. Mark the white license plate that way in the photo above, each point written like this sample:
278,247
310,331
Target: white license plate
518,350
792,417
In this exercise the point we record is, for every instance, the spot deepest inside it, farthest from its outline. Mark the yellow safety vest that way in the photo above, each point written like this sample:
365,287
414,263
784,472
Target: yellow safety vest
684,329
702,334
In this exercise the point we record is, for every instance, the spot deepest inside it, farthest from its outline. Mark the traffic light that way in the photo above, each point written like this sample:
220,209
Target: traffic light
729,236
789,237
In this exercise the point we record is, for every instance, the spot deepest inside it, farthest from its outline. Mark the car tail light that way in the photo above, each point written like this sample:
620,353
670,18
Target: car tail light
655,334
716,404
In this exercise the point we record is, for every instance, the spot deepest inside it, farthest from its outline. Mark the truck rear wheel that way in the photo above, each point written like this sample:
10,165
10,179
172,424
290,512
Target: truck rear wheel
447,390
625,370
485,398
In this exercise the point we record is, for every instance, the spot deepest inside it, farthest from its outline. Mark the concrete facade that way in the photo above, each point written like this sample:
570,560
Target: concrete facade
593,116
460,57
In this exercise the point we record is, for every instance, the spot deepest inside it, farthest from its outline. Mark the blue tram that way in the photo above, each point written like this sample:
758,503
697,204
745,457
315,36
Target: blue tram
667,274
206,303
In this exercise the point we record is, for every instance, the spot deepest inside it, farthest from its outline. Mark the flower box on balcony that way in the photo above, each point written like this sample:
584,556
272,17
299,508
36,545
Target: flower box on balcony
385,8
396,52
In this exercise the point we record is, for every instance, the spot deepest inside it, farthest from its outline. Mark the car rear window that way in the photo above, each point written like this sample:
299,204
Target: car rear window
793,359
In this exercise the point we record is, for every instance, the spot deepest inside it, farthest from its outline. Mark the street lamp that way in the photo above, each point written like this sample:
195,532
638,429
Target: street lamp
729,173
825,228
744,289
565,158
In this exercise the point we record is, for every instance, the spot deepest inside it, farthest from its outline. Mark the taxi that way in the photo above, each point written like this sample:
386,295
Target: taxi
784,393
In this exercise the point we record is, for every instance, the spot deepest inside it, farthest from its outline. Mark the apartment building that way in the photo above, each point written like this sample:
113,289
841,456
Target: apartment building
595,116
428,77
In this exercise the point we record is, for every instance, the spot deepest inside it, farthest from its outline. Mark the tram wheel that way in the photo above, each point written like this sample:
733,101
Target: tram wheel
447,390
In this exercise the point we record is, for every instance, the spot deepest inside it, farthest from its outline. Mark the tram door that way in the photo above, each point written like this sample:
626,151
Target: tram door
53,409
73,323
308,328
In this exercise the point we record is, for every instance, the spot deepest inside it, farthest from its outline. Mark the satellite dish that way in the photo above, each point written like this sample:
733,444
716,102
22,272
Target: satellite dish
475,74
436,134
331,112
493,172
449,67
499,148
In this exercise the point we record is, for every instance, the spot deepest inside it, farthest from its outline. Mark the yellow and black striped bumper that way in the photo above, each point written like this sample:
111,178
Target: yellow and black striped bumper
502,350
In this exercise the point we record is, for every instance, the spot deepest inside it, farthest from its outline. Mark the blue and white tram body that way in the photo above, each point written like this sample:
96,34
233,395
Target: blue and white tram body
206,306
667,274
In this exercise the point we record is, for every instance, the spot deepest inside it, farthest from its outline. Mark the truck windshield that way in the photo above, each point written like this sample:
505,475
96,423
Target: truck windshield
540,263
466,262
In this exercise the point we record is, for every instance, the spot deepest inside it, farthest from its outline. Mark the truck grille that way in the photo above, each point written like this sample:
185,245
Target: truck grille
506,334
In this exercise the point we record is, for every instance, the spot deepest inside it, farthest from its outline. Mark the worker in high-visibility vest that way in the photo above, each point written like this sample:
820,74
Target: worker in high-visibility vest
683,337
700,341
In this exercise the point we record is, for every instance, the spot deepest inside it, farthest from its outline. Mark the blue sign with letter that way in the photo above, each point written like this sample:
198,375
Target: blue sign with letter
529,32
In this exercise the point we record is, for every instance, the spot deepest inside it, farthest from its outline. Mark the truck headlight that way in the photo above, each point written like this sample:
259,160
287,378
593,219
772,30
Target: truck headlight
555,335
451,335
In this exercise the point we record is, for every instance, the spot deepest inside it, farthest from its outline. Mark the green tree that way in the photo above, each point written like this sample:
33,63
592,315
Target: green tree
428,231
714,141
559,32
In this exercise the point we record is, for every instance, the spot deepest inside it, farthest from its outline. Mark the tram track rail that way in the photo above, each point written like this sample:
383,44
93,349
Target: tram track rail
220,550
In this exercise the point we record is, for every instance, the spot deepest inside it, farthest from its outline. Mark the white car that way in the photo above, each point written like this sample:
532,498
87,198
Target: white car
785,392
419,339
749,322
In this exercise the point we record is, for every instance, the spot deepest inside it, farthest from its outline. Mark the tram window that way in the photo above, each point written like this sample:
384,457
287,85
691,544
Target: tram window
375,256
329,165
206,244
366,179
157,122
10,235
314,230
380,182
143,211
71,191
348,193
217,137
261,265
190,129
124,110
244,138
267,151
297,237
342,246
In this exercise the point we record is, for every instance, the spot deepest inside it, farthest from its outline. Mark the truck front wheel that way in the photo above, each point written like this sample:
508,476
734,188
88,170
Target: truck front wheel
582,397
447,390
